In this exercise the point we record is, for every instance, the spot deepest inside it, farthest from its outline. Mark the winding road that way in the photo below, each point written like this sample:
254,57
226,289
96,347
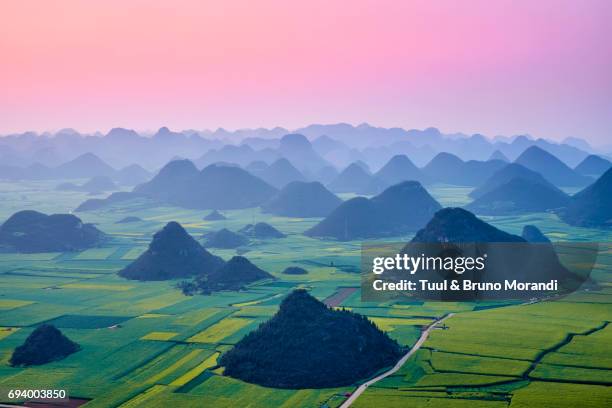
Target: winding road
397,366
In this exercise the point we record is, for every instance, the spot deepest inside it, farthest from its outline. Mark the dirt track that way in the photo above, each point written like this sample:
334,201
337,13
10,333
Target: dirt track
397,366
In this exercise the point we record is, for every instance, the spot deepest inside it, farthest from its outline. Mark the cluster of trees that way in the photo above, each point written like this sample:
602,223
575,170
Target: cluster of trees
308,345
45,344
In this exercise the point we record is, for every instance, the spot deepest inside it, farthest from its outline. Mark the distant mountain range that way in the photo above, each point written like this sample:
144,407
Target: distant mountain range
278,174
87,165
338,144
447,168
549,166
450,169
245,177
501,187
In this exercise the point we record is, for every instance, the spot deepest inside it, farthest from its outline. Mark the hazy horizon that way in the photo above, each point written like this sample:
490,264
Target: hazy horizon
502,68
206,131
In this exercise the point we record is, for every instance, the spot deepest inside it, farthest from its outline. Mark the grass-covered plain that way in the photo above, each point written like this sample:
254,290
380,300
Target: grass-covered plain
146,344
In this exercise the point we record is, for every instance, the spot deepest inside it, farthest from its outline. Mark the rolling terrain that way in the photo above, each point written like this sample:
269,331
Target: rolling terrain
147,344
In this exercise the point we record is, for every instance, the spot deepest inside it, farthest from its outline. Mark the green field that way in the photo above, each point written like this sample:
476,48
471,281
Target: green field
146,344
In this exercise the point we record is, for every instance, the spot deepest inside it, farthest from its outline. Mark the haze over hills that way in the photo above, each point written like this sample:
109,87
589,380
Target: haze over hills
97,184
325,144
353,179
294,148
365,166
476,172
498,155
506,174
132,175
31,231
564,152
473,147
262,143
278,174
593,165
302,200
98,203
326,174
591,207
172,182
342,144
377,156
308,345
399,168
298,150
442,166
553,169
220,186
450,169
238,155
518,196
400,209
85,166
35,171
116,147
215,187
256,166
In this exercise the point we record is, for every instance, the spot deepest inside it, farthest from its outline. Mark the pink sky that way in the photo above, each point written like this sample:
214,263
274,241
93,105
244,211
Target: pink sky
495,67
